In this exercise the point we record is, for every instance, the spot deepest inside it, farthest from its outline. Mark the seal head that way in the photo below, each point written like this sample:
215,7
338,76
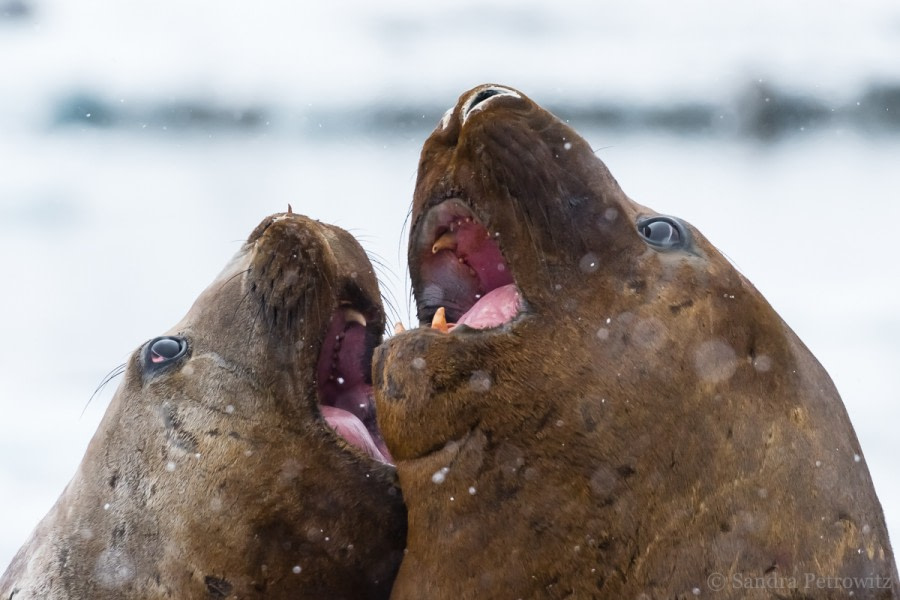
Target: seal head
239,457
616,412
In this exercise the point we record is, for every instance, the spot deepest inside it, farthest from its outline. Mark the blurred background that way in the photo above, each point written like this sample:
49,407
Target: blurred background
141,141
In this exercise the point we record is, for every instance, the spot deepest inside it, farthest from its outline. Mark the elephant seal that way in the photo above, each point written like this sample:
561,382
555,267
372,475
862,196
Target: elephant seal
616,412
239,457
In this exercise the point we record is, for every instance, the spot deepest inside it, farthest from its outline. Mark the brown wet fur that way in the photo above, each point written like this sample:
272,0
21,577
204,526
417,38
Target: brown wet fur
216,477
649,422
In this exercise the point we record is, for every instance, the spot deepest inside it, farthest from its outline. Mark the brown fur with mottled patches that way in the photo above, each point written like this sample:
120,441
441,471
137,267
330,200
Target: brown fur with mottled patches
217,477
650,420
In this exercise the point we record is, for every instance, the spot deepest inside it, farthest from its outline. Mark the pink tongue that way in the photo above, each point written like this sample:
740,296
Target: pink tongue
497,307
352,429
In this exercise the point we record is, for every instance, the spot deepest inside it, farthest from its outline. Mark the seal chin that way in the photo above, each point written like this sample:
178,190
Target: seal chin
464,278
344,378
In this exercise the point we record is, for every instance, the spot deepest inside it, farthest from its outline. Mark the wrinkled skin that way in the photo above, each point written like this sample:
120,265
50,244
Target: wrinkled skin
647,420
216,476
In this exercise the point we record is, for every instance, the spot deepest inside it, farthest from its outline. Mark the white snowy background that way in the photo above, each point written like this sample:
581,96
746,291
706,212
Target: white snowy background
141,141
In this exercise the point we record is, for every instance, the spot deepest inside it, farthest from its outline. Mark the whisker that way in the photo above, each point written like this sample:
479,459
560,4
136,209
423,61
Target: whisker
106,379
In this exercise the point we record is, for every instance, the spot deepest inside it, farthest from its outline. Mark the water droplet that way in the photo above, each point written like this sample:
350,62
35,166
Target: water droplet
818,463
696,591
418,363
649,333
480,381
340,380
714,361
170,466
229,409
857,458
472,490
114,568
296,569
762,363
611,214
866,529
501,267
603,333
106,506
440,475
589,263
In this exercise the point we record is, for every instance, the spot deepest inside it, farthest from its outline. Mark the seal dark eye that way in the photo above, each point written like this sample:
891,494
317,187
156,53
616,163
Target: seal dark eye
164,350
663,233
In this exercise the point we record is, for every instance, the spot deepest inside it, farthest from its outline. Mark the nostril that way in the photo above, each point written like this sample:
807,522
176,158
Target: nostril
478,99
482,96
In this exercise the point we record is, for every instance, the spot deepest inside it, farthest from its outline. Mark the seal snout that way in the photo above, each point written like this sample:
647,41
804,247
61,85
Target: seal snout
306,279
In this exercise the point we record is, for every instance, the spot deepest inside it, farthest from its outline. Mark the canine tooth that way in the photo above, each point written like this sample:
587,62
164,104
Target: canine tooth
439,321
354,316
398,327
445,242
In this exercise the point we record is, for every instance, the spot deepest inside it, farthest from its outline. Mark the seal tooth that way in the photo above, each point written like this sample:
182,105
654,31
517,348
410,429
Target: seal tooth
352,315
398,327
439,321
445,242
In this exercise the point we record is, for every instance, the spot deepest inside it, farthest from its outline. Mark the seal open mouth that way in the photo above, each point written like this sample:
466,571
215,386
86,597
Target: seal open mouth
344,379
464,278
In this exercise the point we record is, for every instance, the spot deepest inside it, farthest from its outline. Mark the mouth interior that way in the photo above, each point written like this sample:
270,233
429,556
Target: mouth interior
344,380
464,272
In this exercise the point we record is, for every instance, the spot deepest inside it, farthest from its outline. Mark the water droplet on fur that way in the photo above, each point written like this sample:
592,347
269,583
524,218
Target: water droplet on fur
603,333
229,409
567,145
866,529
480,381
440,475
170,466
696,591
472,490
762,363
610,214
106,506
418,363
297,569
589,263
714,361
818,463
114,568
340,380
649,333
857,458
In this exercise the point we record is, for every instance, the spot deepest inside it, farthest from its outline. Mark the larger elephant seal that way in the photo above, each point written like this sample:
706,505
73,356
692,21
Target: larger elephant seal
217,471
617,413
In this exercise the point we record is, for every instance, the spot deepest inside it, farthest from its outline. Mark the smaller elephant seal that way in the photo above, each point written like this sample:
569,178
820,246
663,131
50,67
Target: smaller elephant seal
615,412
239,457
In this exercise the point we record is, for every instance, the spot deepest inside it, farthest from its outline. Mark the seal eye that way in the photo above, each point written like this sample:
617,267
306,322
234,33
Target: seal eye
663,233
165,349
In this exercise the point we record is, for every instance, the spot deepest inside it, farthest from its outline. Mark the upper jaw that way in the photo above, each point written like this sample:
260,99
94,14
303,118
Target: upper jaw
459,272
